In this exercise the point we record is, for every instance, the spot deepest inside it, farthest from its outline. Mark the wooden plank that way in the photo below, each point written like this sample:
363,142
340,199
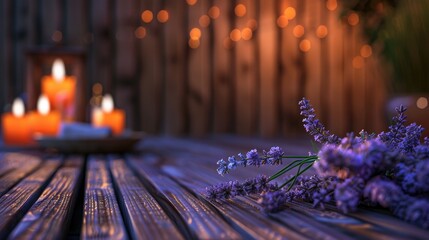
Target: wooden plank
4,55
23,165
48,218
102,218
75,32
143,215
199,80
222,70
269,90
175,33
246,75
203,222
19,199
151,77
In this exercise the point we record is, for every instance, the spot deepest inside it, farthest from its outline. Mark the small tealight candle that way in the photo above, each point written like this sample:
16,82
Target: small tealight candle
107,116
16,126
60,90
45,122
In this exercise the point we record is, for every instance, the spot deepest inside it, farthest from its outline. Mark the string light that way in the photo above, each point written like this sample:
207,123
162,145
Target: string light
246,33
298,31
305,45
282,21
290,13
331,5
195,33
422,102
204,21
191,2
240,10
214,12
147,16
140,32
235,35
321,31
358,62
353,19
366,51
162,16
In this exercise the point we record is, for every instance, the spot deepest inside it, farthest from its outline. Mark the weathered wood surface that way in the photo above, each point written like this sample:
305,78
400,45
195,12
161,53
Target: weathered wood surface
159,194
102,218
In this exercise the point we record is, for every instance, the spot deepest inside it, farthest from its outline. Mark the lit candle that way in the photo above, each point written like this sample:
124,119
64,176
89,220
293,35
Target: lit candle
60,90
107,116
16,127
45,122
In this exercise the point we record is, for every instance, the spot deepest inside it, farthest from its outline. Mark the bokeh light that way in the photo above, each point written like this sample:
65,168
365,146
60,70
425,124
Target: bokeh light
57,36
235,35
366,51
204,21
358,62
214,12
298,31
246,33
162,16
282,21
290,13
252,24
195,33
422,103
191,2
305,45
331,5
140,32
147,16
194,43
353,19
240,10
321,31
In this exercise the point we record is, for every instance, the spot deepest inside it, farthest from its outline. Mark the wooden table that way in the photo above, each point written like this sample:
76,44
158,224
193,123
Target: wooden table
158,194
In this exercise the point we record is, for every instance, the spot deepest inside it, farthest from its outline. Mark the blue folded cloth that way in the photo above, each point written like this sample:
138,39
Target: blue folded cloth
78,130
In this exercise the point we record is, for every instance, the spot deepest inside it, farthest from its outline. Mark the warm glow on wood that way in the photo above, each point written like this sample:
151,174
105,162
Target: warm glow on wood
358,62
18,108
191,2
162,16
214,12
246,33
235,35
194,43
282,21
147,16
58,70
305,45
366,51
204,21
331,5
140,32
353,19
195,33
321,31
43,106
298,31
240,10
290,13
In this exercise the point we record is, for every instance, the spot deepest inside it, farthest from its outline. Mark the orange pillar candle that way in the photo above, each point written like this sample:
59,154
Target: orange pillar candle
16,126
107,116
60,90
45,122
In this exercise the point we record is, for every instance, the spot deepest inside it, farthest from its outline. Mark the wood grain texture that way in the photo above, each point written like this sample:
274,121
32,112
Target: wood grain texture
22,164
144,216
203,222
102,218
19,199
49,216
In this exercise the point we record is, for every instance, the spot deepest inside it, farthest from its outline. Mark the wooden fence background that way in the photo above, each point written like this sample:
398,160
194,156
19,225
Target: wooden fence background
169,82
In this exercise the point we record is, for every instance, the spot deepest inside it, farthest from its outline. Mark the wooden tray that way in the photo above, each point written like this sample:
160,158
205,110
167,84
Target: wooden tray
113,144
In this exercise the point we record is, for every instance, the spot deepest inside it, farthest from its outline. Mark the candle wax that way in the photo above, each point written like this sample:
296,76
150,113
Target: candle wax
115,120
16,130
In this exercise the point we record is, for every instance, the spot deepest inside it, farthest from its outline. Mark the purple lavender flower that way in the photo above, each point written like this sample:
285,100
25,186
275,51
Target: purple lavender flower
418,213
253,158
223,167
273,201
348,194
426,141
313,126
234,188
383,192
413,132
275,156
422,175
397,130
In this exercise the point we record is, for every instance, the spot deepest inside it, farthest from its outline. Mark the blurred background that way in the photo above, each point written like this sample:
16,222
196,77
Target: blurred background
198,67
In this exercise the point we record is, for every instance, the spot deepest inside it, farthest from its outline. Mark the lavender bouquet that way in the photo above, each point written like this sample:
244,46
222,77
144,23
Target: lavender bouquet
390,170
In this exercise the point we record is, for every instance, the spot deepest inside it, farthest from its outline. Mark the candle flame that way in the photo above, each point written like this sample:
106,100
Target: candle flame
58,70
107,103
43,106
18,108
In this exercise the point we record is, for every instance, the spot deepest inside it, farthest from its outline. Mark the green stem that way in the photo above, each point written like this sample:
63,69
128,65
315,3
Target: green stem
292,165
296,176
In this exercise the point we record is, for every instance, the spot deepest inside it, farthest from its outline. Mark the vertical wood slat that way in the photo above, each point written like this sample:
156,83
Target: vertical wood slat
222,70
175,110
199,95
4,43
151,78
268,45
246,75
